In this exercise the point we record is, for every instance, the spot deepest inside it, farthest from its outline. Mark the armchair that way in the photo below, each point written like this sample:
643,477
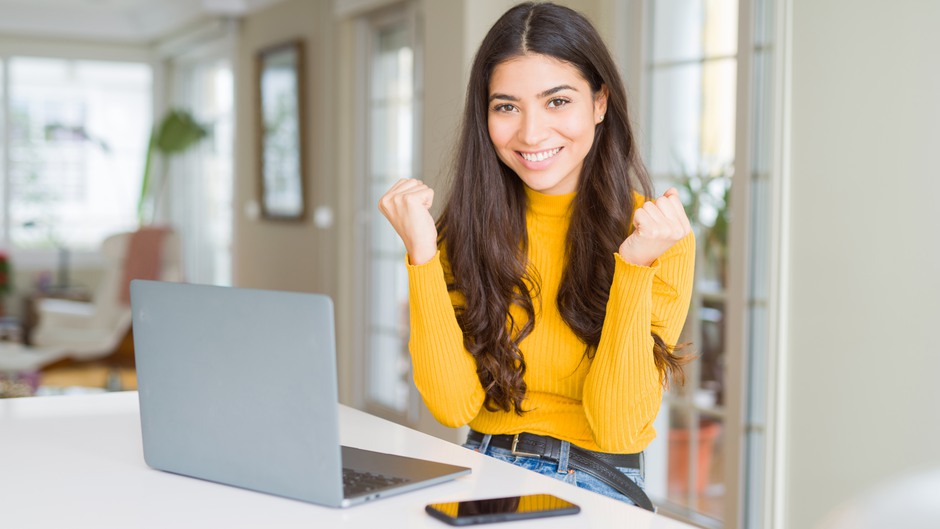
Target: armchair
94,330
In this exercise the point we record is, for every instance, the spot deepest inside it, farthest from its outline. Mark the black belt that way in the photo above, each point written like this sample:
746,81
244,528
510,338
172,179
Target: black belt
599,464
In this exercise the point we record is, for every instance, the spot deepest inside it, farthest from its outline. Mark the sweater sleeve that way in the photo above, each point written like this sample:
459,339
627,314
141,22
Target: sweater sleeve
444,372
623,390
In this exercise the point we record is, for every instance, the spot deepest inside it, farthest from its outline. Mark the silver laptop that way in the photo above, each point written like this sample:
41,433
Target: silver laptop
238,386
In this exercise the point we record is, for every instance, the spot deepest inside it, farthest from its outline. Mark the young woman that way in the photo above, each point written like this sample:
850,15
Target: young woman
547,298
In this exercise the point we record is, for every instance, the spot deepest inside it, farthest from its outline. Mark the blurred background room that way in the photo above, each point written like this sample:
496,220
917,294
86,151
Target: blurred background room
247,142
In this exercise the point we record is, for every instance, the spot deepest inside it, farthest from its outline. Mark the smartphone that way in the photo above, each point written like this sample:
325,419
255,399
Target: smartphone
501,509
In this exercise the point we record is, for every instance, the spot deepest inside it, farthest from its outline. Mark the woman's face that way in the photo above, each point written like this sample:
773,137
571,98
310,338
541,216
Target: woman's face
542,116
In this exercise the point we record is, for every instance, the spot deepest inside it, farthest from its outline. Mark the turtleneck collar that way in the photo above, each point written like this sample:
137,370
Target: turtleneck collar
549,205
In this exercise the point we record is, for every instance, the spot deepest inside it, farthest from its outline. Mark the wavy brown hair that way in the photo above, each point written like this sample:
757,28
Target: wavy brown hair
482,225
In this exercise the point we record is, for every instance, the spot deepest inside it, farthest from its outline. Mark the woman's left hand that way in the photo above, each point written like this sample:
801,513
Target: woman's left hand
658,225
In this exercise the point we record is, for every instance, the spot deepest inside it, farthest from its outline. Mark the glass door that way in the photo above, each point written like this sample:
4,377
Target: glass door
710,112
201,181
691,77
391,150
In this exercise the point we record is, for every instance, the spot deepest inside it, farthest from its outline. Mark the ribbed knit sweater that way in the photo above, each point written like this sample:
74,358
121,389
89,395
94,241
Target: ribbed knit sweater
607,403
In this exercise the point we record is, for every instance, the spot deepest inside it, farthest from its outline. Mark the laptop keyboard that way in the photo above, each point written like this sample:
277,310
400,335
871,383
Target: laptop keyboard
356,482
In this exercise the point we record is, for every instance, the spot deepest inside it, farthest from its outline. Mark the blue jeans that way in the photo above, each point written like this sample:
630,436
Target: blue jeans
560,470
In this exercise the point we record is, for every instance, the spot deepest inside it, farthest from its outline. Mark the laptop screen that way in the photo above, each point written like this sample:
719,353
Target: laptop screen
238,386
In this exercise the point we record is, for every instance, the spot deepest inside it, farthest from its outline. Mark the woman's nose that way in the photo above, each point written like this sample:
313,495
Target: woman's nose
533,129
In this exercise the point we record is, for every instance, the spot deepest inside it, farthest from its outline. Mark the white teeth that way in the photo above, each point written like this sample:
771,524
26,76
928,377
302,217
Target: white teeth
540,156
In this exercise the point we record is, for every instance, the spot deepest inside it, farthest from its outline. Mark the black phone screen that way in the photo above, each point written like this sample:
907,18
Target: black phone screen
501,509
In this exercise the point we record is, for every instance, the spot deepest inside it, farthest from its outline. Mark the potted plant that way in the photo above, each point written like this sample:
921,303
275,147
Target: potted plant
705,194
177,132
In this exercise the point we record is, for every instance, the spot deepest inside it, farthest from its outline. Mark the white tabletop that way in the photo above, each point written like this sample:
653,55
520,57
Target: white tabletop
77,461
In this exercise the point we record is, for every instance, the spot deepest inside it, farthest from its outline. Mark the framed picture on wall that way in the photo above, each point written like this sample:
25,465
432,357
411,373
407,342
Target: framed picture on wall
281,159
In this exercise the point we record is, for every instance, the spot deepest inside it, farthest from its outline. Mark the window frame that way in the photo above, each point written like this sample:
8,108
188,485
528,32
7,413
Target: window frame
181,71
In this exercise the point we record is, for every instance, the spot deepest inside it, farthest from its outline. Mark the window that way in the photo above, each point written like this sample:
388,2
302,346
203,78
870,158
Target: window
704,137
691,75
77,136
392,102
200,181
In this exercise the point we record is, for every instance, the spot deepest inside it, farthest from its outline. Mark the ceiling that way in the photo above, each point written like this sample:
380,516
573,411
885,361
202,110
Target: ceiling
131,21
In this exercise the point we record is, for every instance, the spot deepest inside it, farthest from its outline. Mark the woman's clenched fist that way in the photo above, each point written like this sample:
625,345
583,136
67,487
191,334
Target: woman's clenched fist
407,206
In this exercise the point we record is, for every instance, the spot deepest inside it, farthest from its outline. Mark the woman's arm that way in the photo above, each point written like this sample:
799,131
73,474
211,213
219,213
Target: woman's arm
444,372
623,390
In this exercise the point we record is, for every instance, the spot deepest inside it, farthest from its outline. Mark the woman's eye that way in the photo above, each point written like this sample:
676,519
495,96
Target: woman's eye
557,102
504,107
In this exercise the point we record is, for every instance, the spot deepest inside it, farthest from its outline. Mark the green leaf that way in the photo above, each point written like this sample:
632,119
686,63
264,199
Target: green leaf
176,133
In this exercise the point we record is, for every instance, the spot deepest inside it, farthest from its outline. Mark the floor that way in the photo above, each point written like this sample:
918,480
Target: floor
88,377
85,379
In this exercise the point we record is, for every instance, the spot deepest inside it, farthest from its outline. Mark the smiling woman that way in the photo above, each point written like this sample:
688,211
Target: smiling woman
533,296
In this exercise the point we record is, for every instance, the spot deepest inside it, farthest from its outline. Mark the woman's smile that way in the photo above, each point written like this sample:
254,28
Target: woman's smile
539,159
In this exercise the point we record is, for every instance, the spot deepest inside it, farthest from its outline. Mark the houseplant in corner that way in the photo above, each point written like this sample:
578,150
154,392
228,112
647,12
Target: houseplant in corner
176,133
705,194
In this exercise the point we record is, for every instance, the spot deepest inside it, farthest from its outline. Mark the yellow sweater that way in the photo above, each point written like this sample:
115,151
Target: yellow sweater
606,404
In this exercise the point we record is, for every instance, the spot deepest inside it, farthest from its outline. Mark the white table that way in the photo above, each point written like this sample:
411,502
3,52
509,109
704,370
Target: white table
76,461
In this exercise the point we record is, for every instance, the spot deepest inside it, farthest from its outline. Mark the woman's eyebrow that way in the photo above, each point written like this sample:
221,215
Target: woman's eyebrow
505,97
546,93
553,91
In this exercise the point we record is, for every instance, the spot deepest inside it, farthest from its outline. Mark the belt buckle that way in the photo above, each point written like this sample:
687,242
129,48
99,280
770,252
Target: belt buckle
515,442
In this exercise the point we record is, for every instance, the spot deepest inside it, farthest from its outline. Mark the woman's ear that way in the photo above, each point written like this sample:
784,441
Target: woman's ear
600,104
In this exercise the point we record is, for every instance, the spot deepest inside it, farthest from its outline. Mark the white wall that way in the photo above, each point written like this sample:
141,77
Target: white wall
864,282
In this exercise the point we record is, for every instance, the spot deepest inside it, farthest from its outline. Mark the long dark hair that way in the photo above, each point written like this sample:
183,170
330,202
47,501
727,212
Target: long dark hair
482,226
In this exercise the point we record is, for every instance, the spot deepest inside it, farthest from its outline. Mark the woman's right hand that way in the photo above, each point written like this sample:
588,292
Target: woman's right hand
659,224
407,206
